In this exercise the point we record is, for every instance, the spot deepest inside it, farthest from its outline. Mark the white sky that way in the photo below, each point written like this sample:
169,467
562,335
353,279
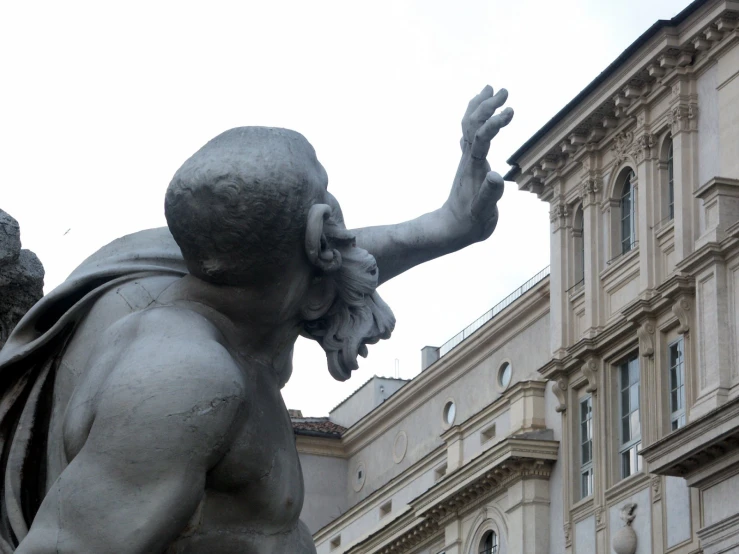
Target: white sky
101,102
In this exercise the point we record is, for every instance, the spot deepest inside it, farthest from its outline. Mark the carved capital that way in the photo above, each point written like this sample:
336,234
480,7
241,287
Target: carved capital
559,388
558,215
589,188
590,371
642,148
621,144
681,309
645,333
683,117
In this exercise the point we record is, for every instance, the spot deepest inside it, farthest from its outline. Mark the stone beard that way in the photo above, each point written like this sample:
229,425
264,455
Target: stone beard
358,316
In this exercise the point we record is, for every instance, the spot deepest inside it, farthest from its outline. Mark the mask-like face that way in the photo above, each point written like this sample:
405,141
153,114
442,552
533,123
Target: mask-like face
358,316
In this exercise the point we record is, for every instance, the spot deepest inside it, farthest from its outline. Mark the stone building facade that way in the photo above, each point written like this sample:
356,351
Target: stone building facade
600,408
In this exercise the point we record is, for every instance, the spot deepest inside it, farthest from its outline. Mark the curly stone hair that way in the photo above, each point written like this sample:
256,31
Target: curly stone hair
238,206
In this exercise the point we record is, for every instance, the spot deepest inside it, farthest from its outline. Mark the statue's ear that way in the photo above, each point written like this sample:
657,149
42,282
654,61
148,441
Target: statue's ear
317,248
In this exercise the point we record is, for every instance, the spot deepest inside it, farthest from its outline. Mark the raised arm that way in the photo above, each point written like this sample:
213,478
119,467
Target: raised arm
140,476
469,215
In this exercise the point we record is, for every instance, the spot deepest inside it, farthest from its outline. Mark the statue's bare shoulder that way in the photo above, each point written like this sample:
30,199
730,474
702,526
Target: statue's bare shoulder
163,369
157,408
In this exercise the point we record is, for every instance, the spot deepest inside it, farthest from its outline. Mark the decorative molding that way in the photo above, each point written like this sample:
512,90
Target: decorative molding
568,534
559,214
621,144
590,371
656,488
683,117
645,333
559,388
681,309
589,188
642,148
600,519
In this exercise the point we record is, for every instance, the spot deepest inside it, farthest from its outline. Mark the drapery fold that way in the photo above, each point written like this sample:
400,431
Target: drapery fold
32,353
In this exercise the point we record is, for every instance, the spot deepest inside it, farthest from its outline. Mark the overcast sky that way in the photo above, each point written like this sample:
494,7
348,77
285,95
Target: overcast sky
101,102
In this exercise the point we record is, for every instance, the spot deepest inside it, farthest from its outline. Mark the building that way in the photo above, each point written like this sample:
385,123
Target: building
622,429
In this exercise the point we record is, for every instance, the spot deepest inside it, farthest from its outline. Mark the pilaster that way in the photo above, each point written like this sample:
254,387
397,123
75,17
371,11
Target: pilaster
683,119
558,217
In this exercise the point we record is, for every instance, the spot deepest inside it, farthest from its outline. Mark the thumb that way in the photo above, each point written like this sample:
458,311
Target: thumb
487,197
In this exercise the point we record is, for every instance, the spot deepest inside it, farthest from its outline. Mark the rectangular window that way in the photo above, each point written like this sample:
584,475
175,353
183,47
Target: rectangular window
670,184
677,384
586,447
630,424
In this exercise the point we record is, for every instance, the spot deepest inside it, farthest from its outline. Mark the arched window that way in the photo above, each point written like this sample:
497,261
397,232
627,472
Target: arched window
628,214
577,234
489,543
670,183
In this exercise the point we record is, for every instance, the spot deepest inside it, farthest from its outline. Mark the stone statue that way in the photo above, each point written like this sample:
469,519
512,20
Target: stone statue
21,277
141,408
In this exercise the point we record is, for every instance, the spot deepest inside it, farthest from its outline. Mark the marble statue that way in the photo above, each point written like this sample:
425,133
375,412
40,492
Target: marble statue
141,408
21,276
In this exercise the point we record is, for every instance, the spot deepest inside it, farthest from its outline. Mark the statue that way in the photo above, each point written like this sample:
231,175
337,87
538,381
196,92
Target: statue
21,277
141,408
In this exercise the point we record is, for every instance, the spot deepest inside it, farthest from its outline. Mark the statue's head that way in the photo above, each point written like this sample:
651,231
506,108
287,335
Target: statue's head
253,202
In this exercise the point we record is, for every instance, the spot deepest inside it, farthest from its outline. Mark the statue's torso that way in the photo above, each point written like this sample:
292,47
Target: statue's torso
254,494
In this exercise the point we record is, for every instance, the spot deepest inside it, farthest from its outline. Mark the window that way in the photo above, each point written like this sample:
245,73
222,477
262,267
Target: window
630,429
677,384
577,233
628,214
586,447
670,184
504,375
489,543
450,412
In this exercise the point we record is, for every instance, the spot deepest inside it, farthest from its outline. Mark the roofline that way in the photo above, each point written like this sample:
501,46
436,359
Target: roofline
320,434
595,83
360,387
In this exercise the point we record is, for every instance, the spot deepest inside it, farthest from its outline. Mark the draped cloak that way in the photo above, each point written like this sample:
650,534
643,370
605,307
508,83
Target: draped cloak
31,356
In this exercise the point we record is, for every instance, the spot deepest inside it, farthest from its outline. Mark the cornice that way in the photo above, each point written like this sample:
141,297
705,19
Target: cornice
701,443
488,474
682,51
320,446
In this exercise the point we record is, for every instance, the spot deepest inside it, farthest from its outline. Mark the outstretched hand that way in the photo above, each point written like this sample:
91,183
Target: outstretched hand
472,202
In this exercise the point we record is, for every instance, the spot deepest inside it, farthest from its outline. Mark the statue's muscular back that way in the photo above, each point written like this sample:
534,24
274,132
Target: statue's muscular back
149,395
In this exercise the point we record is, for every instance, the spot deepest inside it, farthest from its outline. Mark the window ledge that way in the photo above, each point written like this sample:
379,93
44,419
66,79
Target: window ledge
627,487
619,262
663,228
583,508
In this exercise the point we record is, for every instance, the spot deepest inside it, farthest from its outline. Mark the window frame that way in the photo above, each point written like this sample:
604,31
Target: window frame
632,446
495,543
677,416
627,218
670,181
586,468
